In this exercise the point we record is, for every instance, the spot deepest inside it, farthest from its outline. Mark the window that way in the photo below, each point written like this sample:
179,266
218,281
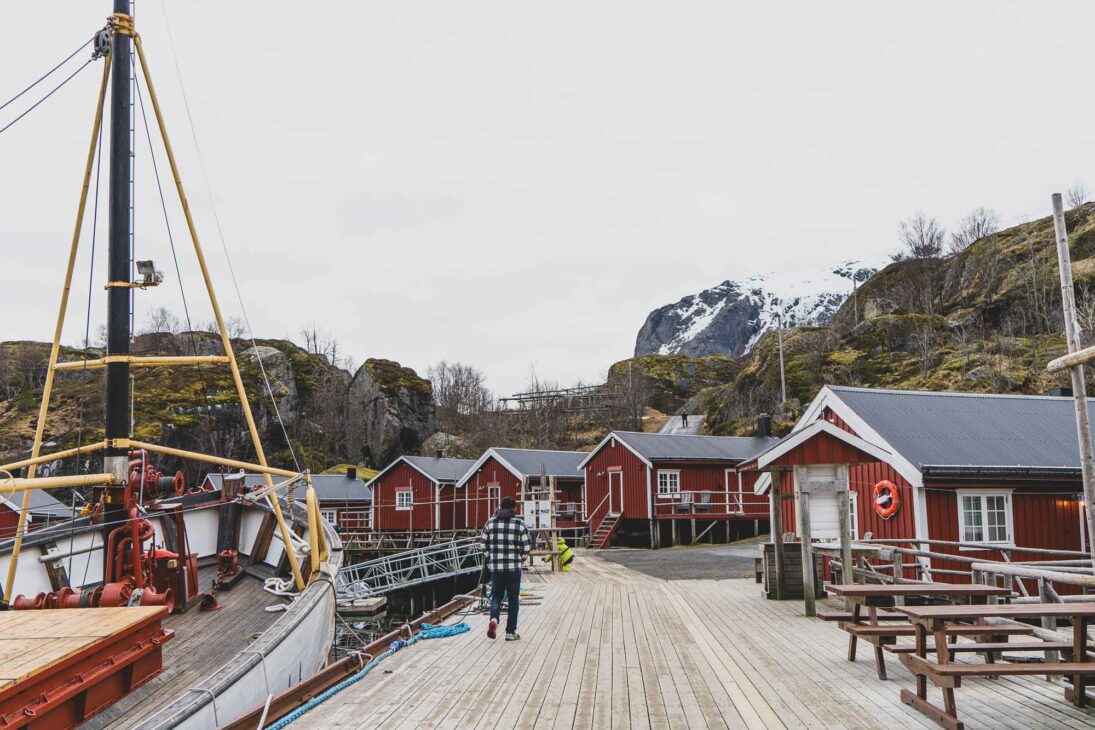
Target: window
984,517
669,482
330,515
403,500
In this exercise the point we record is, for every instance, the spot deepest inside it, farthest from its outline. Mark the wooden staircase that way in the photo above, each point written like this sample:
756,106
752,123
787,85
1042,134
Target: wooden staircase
602,538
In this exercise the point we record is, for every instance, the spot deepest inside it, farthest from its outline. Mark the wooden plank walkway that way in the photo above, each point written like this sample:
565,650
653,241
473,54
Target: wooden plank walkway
608,647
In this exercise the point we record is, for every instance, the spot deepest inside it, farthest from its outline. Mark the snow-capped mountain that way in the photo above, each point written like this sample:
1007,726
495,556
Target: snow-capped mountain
730,318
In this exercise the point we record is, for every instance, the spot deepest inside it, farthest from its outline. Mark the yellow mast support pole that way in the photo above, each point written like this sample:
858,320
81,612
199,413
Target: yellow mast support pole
313,530
47,388
11,485
225,339
98,446
208,458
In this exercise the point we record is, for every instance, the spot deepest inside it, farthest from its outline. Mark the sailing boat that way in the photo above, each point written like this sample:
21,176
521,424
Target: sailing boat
151,609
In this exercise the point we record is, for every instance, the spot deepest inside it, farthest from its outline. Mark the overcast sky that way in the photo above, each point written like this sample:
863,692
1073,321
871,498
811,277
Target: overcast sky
517,184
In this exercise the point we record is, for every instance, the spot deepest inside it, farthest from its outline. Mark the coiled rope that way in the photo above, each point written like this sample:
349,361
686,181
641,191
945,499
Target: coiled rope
428,632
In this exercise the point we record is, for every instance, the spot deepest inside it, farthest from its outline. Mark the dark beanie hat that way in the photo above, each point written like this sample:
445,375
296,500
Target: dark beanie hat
508,503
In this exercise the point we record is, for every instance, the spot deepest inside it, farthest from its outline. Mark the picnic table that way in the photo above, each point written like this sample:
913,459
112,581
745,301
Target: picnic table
947,675
874,596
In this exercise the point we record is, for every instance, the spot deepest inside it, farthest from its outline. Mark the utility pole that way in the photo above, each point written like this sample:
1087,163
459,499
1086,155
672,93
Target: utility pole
782,376
1075,362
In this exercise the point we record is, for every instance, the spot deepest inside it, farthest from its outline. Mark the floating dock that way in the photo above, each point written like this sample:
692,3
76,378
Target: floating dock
609,647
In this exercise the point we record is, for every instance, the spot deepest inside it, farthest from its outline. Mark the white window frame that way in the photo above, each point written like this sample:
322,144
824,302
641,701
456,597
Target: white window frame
853,516
331,515
1009,521
668,493
400,505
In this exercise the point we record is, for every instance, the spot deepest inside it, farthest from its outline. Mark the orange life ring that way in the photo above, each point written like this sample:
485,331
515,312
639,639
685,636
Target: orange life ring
886,499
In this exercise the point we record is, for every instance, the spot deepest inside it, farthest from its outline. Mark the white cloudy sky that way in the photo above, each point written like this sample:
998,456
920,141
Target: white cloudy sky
517,184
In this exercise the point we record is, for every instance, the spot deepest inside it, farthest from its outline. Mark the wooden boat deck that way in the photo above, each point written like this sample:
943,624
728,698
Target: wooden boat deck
608,647
33,641
204,641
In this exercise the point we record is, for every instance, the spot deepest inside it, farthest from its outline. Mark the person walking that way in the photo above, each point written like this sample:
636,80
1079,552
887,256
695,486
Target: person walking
506,541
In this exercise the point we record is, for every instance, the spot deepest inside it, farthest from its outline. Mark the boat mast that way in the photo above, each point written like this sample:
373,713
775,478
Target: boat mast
118,287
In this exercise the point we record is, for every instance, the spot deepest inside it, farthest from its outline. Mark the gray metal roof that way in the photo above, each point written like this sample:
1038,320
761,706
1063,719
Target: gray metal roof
555,463
42,504
444,470
970,429
329,487
667,446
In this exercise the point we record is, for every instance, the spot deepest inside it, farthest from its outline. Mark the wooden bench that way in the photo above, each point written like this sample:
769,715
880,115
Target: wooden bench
849,616
947,675
864,630
876,596
996,646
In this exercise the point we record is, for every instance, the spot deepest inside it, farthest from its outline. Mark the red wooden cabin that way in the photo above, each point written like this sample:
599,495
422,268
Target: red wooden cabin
416,494
995,470
503,472
43,509
654,488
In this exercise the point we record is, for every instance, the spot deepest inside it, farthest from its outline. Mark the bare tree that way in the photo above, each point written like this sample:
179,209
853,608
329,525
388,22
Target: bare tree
921,240
162,320
921,237
1076,195
923,340
461,396
1085,312
979,223
323,343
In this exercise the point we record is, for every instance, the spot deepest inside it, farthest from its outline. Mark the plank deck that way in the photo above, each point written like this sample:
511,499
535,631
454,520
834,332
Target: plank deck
33,641
608,647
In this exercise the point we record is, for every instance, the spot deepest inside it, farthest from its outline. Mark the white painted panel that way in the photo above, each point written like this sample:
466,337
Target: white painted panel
824,523
250,524
201,531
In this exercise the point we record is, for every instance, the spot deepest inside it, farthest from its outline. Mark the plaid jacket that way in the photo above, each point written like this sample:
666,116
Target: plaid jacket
506,542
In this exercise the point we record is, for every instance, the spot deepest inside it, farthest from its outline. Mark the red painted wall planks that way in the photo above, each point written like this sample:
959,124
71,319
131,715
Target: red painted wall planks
478,501
636,500
399,478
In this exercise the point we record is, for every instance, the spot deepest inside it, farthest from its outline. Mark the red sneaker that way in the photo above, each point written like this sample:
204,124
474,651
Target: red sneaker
492,628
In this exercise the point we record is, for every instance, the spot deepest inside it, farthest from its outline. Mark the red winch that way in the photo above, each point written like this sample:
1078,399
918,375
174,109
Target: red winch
135,572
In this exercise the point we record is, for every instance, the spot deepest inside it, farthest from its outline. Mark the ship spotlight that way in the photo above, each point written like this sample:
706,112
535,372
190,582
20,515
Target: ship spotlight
148,276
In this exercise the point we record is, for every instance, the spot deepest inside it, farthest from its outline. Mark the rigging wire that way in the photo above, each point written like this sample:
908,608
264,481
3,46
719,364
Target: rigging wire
170,236
87,319
51,93
220,234
46,75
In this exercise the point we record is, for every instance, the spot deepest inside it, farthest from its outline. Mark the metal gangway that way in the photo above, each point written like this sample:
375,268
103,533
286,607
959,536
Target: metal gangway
409,568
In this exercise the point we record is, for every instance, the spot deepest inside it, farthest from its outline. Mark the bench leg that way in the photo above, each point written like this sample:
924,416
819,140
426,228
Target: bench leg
949,721
880,660
1079,654
852,638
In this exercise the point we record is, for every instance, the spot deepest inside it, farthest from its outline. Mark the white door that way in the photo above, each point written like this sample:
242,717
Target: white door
615,492
824,522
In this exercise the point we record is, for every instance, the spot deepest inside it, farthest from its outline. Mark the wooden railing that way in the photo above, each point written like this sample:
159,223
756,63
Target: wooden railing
702,504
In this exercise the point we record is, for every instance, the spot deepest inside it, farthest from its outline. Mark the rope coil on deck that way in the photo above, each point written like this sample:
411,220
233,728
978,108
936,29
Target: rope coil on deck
428,631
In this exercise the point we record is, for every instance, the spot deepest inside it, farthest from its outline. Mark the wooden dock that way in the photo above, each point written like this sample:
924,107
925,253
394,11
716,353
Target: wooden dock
608,647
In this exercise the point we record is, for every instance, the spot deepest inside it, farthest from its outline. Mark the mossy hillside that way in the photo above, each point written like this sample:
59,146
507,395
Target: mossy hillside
393,378
673,379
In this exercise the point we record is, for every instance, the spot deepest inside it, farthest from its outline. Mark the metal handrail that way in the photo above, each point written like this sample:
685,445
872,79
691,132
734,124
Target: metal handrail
409,568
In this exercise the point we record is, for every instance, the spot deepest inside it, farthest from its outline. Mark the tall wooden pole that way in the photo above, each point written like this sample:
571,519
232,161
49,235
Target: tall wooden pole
1079,391
782,377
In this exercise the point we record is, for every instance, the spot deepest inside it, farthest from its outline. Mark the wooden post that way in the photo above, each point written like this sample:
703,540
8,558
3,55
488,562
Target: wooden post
845,527
809,600
1079,389
777,531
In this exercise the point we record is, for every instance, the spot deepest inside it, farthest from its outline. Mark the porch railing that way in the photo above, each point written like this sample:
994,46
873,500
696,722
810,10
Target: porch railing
700,504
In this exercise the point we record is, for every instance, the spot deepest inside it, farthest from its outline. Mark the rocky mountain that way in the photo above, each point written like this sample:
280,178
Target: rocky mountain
730,318
987,319
330,416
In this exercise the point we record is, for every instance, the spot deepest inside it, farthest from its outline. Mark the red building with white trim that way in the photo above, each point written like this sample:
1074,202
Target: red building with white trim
42,509
995,470
417,494
503,472
656,489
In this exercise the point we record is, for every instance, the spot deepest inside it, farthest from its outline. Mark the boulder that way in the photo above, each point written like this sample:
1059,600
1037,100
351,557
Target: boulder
283,385
390,412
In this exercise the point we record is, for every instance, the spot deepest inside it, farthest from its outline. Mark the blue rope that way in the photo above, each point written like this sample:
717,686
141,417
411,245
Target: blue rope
428,632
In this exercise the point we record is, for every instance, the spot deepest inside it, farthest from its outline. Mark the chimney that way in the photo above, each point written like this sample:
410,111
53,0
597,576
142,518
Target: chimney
440,454
764,425
351,472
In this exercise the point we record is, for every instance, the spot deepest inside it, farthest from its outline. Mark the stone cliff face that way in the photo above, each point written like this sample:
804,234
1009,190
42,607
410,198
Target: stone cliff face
391,412
329,415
